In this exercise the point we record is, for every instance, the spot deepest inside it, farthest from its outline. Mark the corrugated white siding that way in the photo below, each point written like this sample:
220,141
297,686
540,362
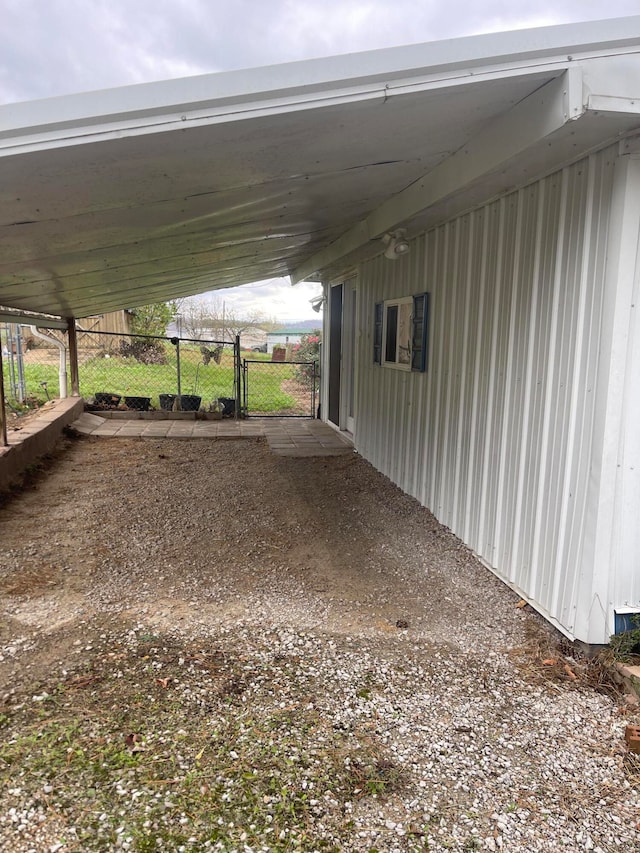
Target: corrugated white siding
497,437
626,532
616,543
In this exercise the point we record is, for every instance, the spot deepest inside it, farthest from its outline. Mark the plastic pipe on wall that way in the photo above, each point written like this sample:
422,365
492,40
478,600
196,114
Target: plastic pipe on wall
62,370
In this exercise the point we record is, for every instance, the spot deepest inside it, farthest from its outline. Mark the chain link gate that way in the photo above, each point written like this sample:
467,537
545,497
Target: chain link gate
280,389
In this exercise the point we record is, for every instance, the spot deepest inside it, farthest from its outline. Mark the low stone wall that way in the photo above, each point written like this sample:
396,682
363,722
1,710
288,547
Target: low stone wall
35,438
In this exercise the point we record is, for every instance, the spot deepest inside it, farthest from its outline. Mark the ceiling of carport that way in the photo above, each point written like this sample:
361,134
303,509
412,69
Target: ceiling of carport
96,219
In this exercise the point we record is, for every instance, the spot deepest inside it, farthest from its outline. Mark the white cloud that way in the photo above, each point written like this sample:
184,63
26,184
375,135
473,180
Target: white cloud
52,47
274,299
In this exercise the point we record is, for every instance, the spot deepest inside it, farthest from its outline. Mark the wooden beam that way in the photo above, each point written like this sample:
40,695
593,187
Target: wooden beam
73,357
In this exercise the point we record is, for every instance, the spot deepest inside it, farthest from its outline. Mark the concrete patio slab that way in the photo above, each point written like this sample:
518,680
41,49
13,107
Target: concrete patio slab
285,437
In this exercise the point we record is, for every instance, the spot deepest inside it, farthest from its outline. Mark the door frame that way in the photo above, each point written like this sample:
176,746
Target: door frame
334,361
349,349
340,365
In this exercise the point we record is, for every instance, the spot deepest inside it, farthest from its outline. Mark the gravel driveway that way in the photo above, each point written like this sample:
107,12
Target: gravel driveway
204,646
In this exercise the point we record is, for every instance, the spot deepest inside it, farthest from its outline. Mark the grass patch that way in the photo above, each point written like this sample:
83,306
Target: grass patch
157,746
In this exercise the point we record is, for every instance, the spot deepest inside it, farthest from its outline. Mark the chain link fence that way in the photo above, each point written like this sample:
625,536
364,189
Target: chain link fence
34,366
118,370
149,372
283,389
144,372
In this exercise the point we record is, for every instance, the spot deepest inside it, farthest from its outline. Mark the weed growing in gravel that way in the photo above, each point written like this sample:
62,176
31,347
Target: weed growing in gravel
158,748
626,646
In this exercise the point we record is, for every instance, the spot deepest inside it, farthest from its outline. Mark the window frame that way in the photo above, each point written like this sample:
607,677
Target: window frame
396,341
418,333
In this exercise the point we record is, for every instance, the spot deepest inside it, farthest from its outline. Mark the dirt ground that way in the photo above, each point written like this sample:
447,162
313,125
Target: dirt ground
123,548
184,532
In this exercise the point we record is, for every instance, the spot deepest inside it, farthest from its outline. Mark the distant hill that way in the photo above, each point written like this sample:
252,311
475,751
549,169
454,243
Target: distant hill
302,325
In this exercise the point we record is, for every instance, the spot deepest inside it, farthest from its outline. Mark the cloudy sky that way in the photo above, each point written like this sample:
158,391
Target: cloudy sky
54,47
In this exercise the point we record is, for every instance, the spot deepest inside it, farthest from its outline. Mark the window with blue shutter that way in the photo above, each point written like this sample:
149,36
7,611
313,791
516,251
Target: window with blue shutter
400,333
419,340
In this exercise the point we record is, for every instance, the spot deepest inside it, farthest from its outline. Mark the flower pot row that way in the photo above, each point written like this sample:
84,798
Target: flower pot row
168,402
182,403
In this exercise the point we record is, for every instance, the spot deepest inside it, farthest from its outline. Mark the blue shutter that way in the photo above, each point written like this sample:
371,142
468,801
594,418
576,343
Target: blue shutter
419,339
377,332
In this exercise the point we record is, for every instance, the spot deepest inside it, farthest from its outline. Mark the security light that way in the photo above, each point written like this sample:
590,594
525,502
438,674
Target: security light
396,244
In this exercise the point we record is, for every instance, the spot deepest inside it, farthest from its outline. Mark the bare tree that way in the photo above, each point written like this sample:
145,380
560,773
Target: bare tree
236,324
196,317
212,318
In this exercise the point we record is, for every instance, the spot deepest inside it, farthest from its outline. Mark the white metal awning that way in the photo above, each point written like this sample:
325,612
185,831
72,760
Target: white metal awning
127,196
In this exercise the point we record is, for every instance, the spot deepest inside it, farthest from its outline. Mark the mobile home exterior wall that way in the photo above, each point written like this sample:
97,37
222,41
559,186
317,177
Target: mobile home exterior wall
501,437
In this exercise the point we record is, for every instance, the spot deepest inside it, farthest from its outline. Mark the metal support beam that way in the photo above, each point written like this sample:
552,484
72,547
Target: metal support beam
528,122
31,318
73,357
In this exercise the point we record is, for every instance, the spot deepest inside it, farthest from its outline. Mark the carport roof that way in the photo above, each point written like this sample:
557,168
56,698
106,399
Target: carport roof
145,193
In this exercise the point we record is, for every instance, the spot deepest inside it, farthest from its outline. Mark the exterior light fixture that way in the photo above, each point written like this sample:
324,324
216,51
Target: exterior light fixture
396,244
316,303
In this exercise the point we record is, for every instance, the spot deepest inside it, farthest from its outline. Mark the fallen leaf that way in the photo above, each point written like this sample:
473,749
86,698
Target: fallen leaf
570,672
133,741
550,661
163,682
522,603
82,680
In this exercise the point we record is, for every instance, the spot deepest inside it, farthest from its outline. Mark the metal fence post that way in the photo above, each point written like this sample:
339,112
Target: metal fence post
22,386
3,411
236,365
245,407
178,368
11,358
314,413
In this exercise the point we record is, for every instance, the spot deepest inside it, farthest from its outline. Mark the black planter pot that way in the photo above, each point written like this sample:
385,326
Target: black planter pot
190,403
111,401
229,404
140,404
167,401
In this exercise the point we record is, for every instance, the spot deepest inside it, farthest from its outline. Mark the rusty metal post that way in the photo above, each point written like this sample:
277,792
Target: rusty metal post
73,357
3,411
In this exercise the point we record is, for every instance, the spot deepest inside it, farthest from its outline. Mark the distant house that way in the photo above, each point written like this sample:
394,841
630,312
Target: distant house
285,336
